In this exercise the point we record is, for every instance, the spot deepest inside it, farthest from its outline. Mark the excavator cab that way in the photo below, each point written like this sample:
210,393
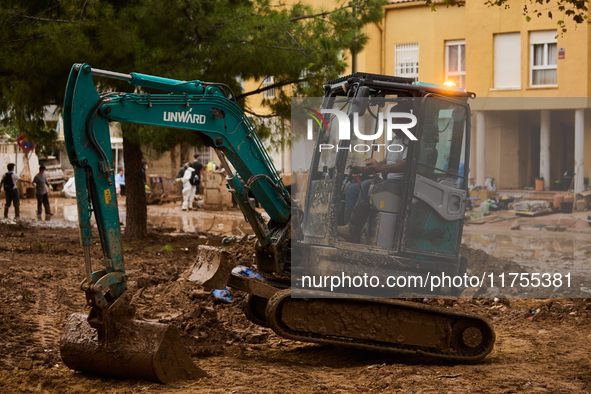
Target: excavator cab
413,218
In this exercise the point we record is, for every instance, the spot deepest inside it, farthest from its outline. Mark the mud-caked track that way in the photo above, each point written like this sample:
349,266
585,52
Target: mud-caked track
542,345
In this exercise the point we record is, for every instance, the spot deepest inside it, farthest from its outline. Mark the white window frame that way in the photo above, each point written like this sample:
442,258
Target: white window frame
542,37
406,60
461,44
204,153
303,75
269,93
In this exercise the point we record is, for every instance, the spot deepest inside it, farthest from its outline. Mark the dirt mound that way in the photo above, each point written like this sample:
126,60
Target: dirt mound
207,326
479,261
243,251
482,264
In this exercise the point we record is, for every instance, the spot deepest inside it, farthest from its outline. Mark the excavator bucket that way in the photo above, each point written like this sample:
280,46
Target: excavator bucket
212,268
127,349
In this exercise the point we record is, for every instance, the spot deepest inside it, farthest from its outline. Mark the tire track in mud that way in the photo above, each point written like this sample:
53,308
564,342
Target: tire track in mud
48,316
16,327
40,330
48,328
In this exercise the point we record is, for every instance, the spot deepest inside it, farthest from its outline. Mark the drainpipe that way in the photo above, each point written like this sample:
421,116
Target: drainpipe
480,149
579,150
545,148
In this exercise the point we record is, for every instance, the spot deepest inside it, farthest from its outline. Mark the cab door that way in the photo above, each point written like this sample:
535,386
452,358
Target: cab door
440,166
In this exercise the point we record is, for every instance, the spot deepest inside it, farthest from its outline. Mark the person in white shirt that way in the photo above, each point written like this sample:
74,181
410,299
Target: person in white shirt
392,169
120,180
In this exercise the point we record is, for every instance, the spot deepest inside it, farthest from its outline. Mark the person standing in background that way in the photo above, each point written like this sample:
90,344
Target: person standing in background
9,181
181,172
199,173
188,188
40,182
144,168
120,180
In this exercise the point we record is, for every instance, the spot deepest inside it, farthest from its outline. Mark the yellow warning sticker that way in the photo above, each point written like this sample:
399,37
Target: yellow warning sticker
381,205
107,196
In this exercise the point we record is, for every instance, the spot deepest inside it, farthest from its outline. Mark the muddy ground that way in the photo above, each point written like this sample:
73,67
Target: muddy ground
542,345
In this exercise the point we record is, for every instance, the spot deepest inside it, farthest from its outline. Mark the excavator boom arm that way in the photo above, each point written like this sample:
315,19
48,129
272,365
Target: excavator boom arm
203,108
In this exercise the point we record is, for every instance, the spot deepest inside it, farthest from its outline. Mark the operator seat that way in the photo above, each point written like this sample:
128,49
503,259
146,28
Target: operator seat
385,203
385,197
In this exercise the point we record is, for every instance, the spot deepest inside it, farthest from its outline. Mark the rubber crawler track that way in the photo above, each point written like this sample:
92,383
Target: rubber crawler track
397,326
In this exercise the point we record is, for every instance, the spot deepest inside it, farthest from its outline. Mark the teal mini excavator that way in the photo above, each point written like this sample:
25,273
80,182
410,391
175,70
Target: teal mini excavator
415,228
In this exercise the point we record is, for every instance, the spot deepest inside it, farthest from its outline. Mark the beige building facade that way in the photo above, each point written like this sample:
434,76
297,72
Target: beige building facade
509,63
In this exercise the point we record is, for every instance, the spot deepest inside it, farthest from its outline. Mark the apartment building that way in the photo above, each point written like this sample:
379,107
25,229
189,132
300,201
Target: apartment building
531,116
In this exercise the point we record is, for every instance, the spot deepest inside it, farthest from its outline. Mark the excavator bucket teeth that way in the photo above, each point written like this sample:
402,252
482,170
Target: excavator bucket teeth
212,268
137,349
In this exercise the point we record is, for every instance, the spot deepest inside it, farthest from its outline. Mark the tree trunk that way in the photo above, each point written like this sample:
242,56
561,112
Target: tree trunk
136,220
186,154
174,165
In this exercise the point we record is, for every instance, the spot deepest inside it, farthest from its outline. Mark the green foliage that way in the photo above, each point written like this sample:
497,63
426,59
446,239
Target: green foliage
44,137
159,139
166,248
46,140
10,131
223,41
